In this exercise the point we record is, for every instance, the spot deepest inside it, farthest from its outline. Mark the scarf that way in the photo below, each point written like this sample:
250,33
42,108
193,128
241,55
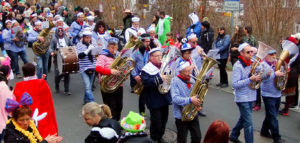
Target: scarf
80,22
246,62
101,32
187,81
272,64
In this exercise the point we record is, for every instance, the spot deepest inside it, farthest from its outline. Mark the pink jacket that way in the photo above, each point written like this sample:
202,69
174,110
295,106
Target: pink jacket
102,65
5,94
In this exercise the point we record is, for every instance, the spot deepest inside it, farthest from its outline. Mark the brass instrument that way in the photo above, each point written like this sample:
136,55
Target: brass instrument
199,90
40,48
138,88
124,64
262,52
290,50
19,39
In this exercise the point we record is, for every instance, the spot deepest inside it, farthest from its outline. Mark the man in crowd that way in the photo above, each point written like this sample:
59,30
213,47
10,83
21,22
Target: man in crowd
163,27
135,29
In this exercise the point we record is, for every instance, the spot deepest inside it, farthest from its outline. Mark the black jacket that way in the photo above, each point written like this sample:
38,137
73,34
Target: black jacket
206,39
11,135
95,137
135,138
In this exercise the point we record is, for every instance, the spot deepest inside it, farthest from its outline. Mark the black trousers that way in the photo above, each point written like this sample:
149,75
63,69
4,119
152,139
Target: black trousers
58,76
142,103
258,97
223,73
115,102
183,128
159,118
296,97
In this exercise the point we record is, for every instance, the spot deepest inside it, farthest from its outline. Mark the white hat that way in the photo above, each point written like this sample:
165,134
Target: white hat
34,15
194,17
135,19
151,28
297,36
127,11
79,14
90,18
13,22
192,36
49,15
37,22
183,65
186,46
242,46
6,21
57,16
154,50
59,19
87,33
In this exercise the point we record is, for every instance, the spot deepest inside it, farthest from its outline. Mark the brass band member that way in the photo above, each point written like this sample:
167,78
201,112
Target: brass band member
181,88
244,95
105,59
157,103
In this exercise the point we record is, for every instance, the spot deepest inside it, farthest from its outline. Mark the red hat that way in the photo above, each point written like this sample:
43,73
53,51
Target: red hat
292,39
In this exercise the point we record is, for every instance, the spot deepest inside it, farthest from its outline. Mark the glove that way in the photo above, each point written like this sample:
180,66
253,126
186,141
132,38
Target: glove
86,52
37,118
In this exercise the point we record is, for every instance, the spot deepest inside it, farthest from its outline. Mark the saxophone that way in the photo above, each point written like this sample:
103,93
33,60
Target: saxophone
199,90
122,63
290,50
40,48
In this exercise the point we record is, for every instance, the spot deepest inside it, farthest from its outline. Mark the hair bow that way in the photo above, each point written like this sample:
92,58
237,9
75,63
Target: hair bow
12,105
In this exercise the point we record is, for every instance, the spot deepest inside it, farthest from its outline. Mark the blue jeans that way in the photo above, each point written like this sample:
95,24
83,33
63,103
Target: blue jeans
15,59
87,81
271,122
245,121
42,65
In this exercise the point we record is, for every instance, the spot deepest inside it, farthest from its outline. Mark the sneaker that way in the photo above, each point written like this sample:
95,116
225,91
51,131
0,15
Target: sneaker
19,76
279,141
219,84
202,113
224,85
256,108
281,112
67,93
267,135
235,140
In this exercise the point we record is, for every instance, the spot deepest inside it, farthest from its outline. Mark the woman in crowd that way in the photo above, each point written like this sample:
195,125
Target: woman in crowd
20,128
101,35
218,132
104,128
236,40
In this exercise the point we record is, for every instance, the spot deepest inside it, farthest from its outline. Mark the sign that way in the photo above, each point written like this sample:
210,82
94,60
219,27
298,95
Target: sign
229,14
232,5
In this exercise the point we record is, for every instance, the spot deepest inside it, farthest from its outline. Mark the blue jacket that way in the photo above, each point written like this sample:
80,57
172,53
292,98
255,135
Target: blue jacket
180,95
268,88
195,28
74,31
151,79
14,47
7,39
32,35
240,83
222,44
140,61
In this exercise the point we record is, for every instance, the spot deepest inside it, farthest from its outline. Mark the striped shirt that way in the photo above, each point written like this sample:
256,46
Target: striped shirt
84,63
268,88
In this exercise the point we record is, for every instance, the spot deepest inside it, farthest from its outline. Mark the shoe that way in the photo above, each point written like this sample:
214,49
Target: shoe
202,113
219,84
256,108
67,93
281,112
224,85
279,141
162,141
235,140
292,106
267,135
19,76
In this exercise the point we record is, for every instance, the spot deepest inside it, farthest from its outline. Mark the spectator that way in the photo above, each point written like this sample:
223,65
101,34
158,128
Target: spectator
249,38
206,37
218,132
236,40
195,26
163,27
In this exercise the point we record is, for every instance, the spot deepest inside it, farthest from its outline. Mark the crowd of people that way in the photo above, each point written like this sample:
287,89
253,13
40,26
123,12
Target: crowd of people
27,109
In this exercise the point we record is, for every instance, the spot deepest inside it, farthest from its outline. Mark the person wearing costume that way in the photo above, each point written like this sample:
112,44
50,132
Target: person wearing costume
41,94
134,126
163,27
76,28
115,99
157,103
60,40
90,22
181,88
101,35
134,30
244,95
104,128
195,26
154,42
21,128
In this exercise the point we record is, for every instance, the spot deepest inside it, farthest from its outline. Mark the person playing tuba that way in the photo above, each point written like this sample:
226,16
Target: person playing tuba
115,99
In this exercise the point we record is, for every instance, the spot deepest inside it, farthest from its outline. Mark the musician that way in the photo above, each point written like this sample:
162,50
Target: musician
60,40
157,103
86,64
271,97
105,59
90,22
140,57
41,60
244,95
181,87
76,27
135,29
7,41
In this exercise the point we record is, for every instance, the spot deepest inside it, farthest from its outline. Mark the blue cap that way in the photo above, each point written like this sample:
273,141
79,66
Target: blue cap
272,51
186,46
113,40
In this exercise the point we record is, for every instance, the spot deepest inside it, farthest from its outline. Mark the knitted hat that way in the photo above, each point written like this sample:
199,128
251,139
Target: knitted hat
133,122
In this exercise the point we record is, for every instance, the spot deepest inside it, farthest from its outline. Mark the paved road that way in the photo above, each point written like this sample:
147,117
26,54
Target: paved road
219,104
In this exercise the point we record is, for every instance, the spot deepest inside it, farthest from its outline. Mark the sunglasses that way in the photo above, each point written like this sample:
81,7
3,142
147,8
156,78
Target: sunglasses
272,54
249,52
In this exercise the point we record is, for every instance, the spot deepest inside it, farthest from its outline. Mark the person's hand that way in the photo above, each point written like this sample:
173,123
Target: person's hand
115,72
52,54
198,108
43,76
195,101
279,73
40,38
138,79
200,51
51,139
255,78
234,48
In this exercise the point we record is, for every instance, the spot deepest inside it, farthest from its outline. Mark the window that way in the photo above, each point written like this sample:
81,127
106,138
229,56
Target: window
298,3
297,27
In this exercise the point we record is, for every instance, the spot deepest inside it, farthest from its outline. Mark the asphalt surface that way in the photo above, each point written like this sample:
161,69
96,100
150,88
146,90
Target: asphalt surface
218,104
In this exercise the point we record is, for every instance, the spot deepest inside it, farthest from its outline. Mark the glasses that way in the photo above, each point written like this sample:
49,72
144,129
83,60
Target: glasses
249,52
272,54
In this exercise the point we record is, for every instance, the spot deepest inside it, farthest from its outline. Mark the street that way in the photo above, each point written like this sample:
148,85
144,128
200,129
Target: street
218,105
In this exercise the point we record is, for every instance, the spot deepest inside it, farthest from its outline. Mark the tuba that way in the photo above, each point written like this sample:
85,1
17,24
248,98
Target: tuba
168,68
40,48
255,69
123,63
200,89
290,50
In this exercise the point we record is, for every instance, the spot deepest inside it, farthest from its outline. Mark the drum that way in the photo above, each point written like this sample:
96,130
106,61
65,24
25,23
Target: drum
67,60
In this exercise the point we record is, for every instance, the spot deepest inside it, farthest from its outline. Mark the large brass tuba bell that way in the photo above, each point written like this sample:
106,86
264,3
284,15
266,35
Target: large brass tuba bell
200,89
123,63
262,52
290,50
